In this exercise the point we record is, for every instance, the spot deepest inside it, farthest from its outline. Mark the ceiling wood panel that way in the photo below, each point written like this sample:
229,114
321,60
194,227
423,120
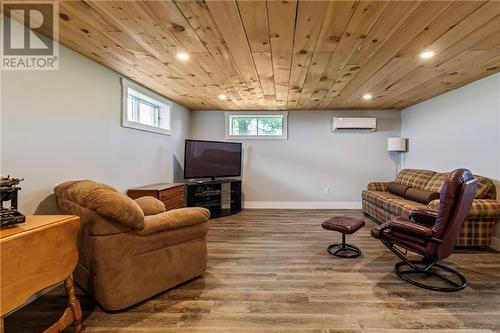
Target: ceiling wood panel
336,18
281,16
308,25
417,22
367,13
227,18
294,55
453,73
424,71
254,17
451,80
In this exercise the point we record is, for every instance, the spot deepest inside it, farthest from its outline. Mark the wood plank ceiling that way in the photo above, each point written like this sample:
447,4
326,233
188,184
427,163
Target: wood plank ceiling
277,55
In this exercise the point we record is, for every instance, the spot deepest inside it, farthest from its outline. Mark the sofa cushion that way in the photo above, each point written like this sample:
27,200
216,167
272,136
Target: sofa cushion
150,205
76,190
92,224
378,198
377,186
402,207
116,206
391,202
421,196
485,187
103,199
397,189
435,184
414,178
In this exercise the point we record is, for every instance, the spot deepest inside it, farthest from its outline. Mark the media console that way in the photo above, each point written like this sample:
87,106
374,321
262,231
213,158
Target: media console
221,197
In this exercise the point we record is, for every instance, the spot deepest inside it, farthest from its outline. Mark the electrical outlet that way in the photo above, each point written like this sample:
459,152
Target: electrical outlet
326,190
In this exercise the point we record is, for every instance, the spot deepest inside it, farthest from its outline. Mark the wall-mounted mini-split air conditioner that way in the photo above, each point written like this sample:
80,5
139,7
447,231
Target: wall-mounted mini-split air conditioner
353,124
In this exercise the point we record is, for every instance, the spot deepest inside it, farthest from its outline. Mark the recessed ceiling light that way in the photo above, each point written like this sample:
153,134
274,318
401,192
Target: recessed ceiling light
182,56
222,97
367,97
427,54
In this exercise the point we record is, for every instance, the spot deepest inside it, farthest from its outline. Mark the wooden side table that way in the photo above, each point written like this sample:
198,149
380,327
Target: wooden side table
172,195
36,255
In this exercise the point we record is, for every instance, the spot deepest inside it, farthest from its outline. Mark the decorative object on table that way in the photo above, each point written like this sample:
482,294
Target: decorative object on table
344,225
9,189
47,246
10,217
397,145
431,235
7,182
8,192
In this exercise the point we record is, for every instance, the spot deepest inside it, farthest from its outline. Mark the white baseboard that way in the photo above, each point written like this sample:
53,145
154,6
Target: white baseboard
302,205
495,243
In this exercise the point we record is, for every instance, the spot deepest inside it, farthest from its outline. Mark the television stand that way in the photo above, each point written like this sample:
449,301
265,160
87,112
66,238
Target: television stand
222,197
208,180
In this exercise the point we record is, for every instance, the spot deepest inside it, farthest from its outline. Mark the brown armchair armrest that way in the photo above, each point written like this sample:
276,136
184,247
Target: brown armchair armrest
174,219
425,217
408,227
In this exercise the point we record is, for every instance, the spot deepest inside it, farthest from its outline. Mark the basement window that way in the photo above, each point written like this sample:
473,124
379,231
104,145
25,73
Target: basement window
145,110
252,125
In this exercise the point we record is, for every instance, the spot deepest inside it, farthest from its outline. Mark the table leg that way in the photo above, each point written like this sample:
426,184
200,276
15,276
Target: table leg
73,313
74,304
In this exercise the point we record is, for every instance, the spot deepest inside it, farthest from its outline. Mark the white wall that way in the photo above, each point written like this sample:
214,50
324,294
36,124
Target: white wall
65,124
294,172
460,128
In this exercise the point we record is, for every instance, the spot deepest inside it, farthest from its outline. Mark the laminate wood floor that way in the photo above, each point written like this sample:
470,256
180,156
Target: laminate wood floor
269,271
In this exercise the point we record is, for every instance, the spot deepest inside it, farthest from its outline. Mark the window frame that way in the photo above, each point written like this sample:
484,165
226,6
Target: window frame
228,123
159,101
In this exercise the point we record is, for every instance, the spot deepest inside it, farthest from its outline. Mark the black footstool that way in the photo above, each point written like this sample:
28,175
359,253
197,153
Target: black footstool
344,225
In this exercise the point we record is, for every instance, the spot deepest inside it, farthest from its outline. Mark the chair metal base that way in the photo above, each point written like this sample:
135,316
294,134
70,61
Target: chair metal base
430,270
344,250
427,267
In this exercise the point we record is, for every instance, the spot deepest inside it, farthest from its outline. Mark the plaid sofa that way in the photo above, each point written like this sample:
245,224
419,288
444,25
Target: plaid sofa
382,205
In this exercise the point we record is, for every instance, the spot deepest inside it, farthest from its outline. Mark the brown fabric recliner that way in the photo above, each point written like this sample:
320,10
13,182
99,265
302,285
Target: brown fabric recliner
132,250
431,234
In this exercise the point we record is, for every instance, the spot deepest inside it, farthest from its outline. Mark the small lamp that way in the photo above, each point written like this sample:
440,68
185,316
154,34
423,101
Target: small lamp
397,145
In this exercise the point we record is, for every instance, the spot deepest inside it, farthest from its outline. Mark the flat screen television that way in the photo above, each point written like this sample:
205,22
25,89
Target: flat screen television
210,159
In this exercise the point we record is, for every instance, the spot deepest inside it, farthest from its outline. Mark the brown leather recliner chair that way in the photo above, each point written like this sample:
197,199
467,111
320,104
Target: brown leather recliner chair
130,250
432,235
